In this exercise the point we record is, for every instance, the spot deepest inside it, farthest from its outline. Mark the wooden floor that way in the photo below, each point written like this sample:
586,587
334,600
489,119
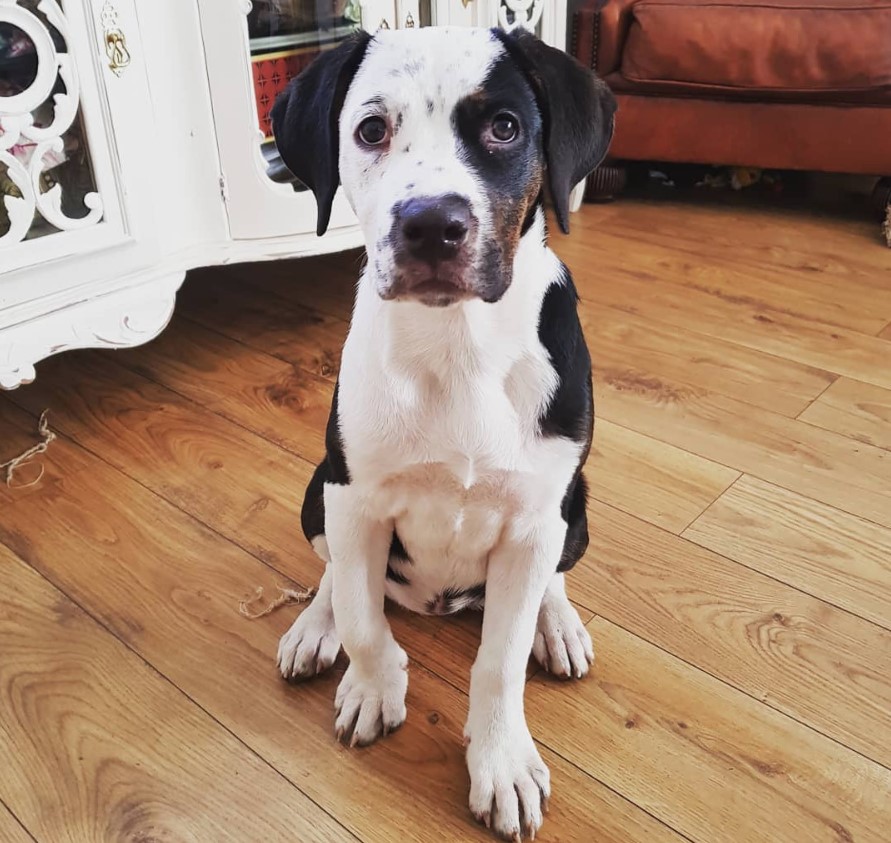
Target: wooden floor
738,585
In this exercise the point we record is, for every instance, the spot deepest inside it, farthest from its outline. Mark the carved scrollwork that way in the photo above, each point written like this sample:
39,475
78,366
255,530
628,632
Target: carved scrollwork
28,150
520,13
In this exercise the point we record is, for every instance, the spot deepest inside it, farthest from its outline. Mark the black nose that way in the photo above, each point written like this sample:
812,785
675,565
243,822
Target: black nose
433,228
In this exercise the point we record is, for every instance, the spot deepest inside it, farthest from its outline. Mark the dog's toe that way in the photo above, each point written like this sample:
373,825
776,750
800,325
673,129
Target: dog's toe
562,645
509,787
310,646
368,708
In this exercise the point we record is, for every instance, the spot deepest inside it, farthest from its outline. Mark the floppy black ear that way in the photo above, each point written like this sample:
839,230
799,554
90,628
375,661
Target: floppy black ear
577,108
305,121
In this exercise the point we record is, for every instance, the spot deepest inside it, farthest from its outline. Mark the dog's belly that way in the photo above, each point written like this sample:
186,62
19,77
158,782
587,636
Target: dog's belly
444,533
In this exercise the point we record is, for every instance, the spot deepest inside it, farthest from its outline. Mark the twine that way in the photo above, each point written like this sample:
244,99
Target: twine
286,597
886,227
16,463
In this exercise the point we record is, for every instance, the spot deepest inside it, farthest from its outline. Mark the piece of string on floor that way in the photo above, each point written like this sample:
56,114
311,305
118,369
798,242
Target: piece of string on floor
286,597
13,465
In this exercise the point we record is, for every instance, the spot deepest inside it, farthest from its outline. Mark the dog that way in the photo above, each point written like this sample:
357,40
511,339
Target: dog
463,412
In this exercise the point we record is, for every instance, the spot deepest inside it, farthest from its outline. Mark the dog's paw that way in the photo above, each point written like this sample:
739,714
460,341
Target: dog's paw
310,646
509,784
371,705
562,645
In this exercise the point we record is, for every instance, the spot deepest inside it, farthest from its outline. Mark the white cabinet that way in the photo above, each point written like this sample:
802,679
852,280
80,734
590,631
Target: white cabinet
135,144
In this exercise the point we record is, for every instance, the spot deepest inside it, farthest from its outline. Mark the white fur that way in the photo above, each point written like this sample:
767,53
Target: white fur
438,413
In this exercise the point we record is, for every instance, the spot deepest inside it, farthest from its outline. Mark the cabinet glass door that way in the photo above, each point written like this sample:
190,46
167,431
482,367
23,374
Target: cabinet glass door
284,37
253,50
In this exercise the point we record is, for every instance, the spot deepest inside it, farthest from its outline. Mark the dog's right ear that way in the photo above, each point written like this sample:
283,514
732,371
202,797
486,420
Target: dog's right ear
306,116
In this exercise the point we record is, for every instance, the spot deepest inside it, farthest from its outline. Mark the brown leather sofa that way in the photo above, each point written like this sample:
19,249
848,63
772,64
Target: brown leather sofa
780,84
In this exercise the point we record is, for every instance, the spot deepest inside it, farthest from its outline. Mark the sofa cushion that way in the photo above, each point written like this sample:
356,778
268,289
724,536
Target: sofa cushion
821,49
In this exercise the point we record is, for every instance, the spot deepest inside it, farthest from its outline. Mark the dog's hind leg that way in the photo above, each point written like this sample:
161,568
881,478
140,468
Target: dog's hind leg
562,645
311,645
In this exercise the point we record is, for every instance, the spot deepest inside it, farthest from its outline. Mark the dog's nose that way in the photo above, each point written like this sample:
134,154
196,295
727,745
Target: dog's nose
433,228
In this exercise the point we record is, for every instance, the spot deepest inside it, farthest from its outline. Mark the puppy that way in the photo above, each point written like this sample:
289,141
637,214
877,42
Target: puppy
463,412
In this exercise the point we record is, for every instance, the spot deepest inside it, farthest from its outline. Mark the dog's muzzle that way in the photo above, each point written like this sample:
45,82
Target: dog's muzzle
432,237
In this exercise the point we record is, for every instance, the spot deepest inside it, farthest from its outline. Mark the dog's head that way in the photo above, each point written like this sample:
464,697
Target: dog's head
443,139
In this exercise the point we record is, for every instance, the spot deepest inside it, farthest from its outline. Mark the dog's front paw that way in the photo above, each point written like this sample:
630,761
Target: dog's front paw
509,783
371,704
311,645
562,645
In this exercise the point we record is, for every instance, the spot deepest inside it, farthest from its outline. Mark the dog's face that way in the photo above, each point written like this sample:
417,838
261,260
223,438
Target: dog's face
441,138
441,158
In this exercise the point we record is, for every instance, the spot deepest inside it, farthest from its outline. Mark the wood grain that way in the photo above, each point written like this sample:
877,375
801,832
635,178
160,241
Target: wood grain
863,308
11,830
326,283
885,334
238,484
854,409
269,323
833,469
169,587
714,764
801,244
661,484
837,557
817,663
741,691
620,339
97,746
275,399
730,317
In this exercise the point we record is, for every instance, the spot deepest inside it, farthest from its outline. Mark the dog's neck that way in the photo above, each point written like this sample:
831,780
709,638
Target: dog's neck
471,337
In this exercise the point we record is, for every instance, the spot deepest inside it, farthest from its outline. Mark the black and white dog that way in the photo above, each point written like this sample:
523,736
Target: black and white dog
463,414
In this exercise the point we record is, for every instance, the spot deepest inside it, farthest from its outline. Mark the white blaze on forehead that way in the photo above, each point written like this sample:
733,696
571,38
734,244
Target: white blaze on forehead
406,67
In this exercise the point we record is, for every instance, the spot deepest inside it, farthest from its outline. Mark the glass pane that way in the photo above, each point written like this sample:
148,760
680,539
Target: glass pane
285,36
46,179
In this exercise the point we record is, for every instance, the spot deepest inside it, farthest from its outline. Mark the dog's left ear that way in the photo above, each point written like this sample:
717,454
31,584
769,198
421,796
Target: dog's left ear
306,117
577,108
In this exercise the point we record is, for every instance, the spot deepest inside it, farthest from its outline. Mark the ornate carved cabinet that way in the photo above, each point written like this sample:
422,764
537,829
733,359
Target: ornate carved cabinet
135,144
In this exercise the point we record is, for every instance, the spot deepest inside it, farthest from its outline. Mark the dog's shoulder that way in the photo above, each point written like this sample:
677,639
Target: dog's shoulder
570,411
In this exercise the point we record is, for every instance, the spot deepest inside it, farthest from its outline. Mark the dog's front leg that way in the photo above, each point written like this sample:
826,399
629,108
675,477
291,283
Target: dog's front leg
509,783
370,699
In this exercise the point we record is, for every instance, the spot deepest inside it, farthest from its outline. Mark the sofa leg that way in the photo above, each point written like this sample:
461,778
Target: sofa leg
881,201
881,196
605,183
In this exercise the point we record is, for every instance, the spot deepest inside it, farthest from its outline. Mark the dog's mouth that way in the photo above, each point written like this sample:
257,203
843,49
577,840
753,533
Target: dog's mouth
437,287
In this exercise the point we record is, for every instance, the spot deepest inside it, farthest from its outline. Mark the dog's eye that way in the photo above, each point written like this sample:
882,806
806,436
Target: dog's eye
373,131
505,127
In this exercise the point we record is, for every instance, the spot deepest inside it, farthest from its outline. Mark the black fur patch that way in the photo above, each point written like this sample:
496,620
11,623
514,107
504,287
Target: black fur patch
396,576
512,172
454,599
332,469
570,413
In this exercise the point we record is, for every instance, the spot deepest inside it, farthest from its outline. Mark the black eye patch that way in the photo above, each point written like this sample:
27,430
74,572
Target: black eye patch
501,113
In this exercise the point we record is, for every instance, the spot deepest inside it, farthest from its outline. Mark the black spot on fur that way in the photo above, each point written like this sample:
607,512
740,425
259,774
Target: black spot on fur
397,123
407,148
454,599
430,106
